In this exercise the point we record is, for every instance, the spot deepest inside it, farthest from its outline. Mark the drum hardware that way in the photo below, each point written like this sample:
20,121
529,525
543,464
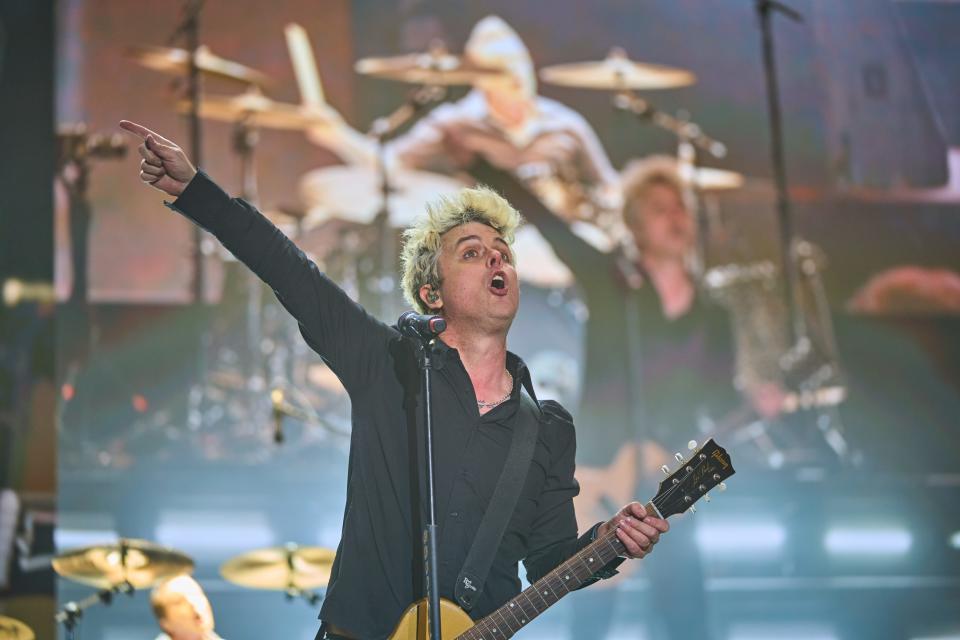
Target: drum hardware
616,73
119,568
432,71
13,629
177,62
433,68
295,570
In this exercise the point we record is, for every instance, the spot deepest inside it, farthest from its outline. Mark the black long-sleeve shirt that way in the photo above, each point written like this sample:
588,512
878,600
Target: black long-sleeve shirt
378,567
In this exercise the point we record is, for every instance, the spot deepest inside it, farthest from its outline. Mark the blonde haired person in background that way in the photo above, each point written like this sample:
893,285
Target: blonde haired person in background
182,610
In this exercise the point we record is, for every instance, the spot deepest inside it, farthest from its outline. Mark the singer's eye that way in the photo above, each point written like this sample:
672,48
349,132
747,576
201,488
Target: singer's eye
470,253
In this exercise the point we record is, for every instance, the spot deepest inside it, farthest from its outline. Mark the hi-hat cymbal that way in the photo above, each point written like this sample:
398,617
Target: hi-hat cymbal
280,568
257,110
11,629
139,562
616,73
177,61
435,67
353,193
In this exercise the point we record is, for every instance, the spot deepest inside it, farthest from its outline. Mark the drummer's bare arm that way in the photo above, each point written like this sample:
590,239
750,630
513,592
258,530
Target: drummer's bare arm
336,135
420,148
607,194
333,324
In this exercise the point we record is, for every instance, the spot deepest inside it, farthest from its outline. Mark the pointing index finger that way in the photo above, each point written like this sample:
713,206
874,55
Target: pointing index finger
142,132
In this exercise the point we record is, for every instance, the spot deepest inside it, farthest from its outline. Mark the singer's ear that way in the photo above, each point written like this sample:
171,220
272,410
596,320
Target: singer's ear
430,297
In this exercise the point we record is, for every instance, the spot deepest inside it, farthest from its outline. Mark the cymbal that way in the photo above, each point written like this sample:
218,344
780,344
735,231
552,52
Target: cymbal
435,67
352,193
257,110
709,179
280,568
615,73
11,629
103,566
177,61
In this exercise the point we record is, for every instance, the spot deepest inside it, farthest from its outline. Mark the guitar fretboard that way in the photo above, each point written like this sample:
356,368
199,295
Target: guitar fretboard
545,592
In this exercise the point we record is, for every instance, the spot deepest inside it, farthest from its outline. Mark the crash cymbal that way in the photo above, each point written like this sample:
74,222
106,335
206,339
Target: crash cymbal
709,179
11,629
616,73
352,193
177,61
139,562
280,568
435,67
257,110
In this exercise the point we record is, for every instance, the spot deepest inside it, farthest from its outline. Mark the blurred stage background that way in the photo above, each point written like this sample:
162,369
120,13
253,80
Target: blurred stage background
129,410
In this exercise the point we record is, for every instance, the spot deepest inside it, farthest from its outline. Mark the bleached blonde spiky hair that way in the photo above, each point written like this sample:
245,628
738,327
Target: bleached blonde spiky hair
422,240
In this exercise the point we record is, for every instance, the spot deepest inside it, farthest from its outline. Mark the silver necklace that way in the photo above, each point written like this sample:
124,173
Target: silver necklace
482,404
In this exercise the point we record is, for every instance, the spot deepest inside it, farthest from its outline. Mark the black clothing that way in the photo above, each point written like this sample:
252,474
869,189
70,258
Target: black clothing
378,568
646,376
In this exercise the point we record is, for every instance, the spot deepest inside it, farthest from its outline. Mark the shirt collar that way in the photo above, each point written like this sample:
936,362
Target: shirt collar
515,365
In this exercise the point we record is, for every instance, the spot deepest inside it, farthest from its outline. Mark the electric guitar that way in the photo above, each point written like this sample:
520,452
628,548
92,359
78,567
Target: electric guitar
706,468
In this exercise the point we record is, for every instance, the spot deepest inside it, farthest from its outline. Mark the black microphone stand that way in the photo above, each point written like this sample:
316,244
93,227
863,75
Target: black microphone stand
425,345
764,10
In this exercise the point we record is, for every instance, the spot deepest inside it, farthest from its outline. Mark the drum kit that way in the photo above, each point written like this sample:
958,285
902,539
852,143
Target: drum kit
130,565
351,215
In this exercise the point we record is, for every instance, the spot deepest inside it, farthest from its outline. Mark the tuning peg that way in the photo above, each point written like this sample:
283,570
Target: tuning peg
693,508
665,469
692,445
722,486
679,457
706,497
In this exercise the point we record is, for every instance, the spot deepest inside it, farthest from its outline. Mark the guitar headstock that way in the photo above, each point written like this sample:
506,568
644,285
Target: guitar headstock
707,467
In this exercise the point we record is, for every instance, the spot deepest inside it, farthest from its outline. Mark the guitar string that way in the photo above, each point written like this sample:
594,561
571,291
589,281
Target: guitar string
697,463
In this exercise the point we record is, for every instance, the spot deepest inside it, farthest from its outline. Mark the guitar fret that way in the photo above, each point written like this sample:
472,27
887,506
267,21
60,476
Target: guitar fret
512,608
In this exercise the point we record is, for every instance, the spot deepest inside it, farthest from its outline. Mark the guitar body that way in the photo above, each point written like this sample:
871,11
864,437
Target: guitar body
414,623
706,468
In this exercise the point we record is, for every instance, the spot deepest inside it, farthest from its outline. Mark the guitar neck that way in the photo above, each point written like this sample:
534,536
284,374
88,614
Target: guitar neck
545,592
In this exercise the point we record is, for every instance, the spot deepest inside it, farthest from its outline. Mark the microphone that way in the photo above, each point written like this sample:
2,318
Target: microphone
424,327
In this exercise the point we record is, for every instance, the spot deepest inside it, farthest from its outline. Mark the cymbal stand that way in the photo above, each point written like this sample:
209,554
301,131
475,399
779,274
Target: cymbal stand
71,613
292,592
690,140
189,30
383,130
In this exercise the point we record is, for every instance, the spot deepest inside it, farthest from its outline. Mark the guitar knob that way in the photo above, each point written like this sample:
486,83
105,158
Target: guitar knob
665,469
692,445
679,457
723,486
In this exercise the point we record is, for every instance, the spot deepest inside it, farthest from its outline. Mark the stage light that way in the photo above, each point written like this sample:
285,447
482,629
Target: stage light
753,538
868,541
955,540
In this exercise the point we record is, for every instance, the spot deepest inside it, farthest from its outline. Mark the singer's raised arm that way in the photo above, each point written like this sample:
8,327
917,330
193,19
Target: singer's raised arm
340,330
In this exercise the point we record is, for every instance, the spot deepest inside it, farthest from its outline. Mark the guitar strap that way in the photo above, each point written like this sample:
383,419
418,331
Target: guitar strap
472,577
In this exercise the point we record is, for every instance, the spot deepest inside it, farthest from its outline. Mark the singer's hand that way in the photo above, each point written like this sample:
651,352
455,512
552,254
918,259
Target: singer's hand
636,530
164,165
